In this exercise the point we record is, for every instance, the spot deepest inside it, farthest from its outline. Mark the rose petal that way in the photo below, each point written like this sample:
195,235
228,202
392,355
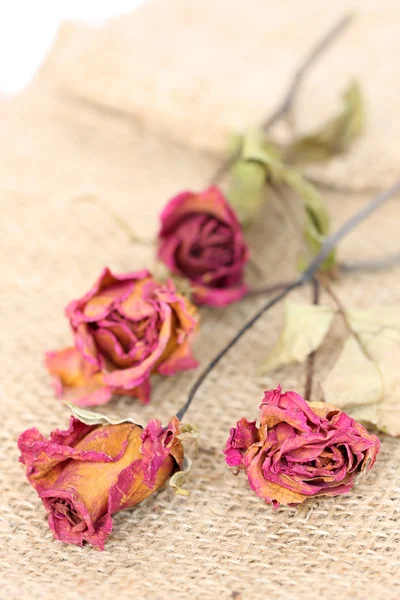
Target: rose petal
85,345
141,392
43,457
137,306
158,443
218,298
107,289
75,380
67,367
181,359
272,492
136,375
240,439
210,201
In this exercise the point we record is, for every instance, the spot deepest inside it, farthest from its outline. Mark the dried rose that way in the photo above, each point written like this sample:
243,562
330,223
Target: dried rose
201,239
300,450
126,327
87,473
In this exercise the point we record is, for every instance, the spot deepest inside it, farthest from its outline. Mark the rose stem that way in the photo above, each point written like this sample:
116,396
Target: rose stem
286,104
341,310
345,268
372,265
329,244
311,357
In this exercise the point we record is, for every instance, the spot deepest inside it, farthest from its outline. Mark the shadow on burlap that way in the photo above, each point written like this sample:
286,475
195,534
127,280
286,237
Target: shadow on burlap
128,115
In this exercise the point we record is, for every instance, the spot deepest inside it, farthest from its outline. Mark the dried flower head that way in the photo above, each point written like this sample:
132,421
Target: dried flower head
126,327
96,468
300,450
201,239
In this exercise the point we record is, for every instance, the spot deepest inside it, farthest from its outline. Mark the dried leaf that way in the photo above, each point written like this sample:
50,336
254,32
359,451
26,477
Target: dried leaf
354,384
305,328
366,381
258,148
178,479
94,418
336,136
317,221
260,159
245,192
190,436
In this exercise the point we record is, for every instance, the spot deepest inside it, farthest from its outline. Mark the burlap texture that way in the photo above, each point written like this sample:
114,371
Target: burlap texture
128,116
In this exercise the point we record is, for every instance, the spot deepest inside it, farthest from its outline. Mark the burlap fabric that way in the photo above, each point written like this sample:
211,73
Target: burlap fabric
127,116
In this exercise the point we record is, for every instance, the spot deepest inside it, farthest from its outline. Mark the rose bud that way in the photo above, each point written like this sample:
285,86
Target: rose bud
92,470
300,449
126,327
201,239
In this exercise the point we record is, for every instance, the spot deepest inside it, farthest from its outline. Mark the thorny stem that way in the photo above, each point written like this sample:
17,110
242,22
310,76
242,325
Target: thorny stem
311,357
286,104
329,244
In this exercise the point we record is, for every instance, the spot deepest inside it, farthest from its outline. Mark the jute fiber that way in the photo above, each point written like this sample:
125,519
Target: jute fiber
125,116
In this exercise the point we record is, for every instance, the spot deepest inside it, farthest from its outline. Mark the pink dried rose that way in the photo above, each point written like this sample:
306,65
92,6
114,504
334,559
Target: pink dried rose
87,473
126,327
300,449
201,239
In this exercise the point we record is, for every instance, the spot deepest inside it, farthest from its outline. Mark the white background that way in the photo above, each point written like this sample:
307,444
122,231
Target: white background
28,28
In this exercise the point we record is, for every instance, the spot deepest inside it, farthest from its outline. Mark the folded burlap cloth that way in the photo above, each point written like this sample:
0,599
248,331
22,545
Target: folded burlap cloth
126,115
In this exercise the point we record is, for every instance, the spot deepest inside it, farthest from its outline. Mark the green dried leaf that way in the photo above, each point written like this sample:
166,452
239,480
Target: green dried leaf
365,381
305,328
94,418
336,136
